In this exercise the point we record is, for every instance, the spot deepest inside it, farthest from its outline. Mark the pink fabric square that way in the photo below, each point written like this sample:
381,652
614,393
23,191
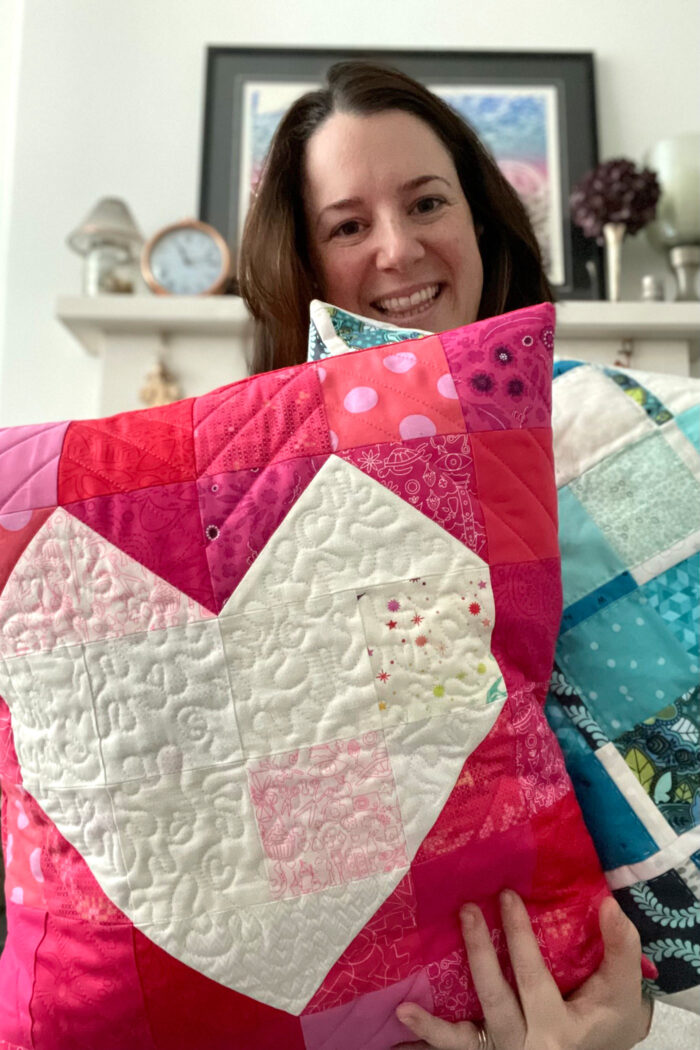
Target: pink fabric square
368,1022
475,872
25,930
29,467
542,774
327,814
273,416
24,839
87,991
390,394
435,475
502,369
159,527
528,604
241,509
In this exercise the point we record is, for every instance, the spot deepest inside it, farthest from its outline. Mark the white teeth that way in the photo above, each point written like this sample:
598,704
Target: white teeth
405,302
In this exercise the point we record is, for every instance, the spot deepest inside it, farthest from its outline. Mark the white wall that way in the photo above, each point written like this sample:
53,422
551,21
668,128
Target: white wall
110,102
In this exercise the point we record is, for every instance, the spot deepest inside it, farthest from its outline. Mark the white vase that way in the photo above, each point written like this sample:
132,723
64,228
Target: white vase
614,233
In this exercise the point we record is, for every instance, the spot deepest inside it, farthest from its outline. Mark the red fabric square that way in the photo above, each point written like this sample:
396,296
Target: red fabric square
186,1009
125,452
515,483
273,416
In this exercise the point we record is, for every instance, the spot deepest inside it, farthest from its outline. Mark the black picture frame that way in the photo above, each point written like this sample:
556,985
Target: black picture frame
566,77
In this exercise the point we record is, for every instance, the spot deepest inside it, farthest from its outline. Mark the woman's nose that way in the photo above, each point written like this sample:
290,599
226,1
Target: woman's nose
398,246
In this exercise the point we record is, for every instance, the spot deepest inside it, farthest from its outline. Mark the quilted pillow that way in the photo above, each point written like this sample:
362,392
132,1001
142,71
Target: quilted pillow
624,697
273,665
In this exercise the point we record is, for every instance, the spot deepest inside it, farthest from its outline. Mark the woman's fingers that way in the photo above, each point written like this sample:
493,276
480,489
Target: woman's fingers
437,1033
540,998
611,999
622,962
502,1014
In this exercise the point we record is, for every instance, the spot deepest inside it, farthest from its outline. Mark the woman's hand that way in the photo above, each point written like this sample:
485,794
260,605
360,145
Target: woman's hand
607,1011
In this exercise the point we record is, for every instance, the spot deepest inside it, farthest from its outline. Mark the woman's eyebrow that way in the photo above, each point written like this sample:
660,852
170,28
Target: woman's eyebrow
350,202
346,202
420,180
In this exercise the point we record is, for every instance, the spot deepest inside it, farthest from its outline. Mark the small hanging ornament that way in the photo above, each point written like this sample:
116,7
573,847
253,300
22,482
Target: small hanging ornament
160,387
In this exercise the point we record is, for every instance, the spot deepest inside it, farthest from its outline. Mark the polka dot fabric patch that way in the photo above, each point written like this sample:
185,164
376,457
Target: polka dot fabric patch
403,393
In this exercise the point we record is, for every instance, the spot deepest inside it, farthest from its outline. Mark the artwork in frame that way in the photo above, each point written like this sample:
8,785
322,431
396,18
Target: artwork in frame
534,110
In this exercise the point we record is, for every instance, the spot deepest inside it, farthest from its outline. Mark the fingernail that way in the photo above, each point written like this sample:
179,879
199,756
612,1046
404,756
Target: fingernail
405,1014
616,913
508,899
468,917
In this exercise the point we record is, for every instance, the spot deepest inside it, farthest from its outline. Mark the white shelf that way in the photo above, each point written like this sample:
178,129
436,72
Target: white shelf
628,320
90,318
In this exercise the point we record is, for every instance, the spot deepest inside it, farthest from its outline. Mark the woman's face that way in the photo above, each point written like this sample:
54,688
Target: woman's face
390,231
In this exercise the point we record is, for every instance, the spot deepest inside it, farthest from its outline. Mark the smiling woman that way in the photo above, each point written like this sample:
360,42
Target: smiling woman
403,250
378,197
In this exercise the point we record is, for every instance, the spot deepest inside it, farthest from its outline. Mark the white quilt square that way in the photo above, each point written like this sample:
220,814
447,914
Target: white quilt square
300,674
189,844
53,718
591,418
163,702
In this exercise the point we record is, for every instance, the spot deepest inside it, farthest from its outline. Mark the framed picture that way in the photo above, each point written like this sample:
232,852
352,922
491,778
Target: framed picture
534,110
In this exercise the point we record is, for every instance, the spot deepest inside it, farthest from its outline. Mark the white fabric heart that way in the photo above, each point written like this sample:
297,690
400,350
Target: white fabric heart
249,789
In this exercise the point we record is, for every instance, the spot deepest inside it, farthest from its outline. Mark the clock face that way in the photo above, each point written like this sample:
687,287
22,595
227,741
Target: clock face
186,261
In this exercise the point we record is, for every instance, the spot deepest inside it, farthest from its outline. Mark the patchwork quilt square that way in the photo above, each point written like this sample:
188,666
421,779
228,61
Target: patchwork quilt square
273,666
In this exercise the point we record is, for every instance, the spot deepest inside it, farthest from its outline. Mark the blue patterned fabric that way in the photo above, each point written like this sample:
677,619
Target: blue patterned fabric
624,700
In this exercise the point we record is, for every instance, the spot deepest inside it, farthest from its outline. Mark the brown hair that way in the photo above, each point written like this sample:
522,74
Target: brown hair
275,273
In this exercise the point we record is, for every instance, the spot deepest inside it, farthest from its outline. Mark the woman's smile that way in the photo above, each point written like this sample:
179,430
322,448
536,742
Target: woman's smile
401,306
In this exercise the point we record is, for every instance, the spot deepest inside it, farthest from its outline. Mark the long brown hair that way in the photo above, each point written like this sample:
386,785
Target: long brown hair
276,277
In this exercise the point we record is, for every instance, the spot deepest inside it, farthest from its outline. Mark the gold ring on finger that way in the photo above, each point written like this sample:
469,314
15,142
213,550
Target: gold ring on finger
482,1036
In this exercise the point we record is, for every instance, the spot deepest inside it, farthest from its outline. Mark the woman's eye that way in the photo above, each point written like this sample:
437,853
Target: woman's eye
347,229
428,204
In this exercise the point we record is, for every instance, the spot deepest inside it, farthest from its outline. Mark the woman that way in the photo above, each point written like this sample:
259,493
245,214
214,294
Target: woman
379,199
287,259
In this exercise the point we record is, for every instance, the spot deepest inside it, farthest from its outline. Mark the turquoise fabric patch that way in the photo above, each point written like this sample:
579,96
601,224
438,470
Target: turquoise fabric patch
316,349
625,663
647,401
643,498
689,422
598,599
617,832
560,367
587,559
675,595
361,335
